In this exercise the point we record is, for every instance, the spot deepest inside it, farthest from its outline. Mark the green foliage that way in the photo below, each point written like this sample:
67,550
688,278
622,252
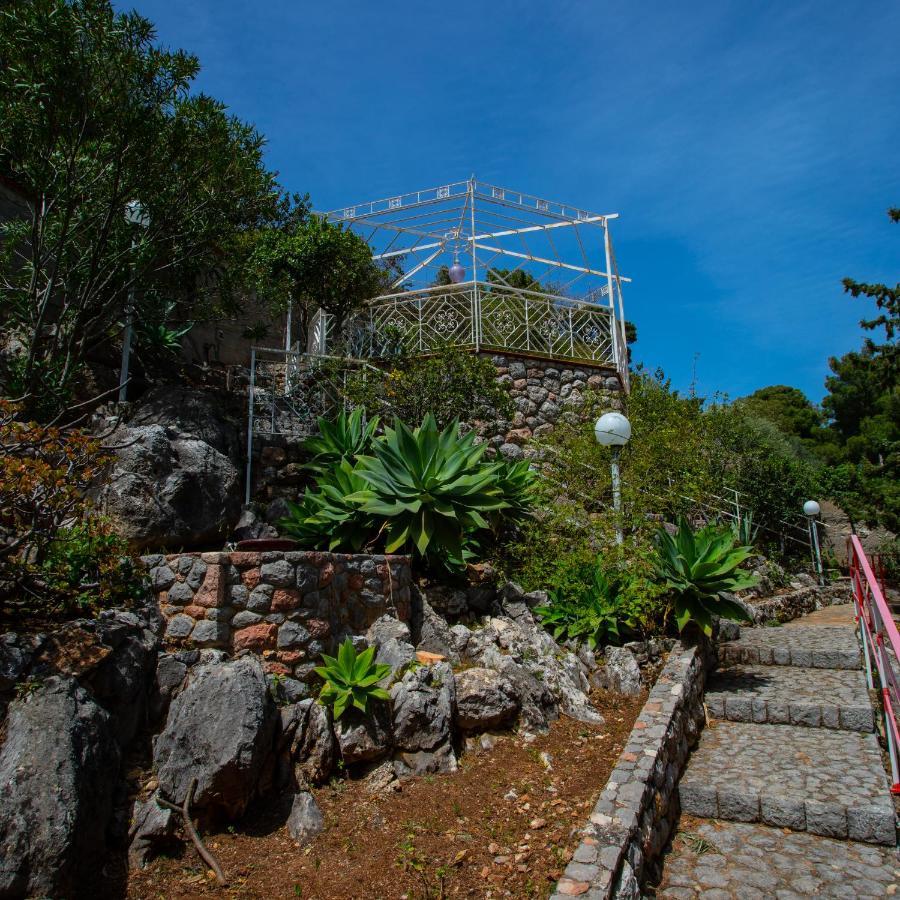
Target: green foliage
331,517
450,384
787,408
96,115
351,679
430,487
516,482
421,490
593,618
316,264
699,568
345,438
155,337
888,556
744,531
88,567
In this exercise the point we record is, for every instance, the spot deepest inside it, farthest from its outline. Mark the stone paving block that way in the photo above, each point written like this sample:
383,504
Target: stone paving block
757,861
808,646
781,695
836,775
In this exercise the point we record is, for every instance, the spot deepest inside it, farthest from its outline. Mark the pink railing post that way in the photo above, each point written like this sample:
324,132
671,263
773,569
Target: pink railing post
880,641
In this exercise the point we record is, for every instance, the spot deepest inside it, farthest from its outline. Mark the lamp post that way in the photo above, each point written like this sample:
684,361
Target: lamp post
811,510
134,215
613,430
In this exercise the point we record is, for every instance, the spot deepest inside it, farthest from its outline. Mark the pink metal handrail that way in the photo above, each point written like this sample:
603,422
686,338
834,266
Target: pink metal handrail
880,640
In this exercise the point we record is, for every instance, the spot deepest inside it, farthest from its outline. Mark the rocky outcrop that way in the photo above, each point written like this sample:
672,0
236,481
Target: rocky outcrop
485,699
363,738
58,768
424,704
220,732
175,480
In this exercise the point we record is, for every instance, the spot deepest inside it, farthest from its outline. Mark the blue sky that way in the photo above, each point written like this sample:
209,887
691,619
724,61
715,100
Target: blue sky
751,148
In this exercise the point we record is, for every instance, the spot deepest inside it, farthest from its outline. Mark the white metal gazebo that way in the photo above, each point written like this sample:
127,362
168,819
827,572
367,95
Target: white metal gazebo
482,267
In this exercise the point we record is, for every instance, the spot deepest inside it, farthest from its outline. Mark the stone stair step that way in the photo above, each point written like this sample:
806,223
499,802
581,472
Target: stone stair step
736,859
807,779
806,646
782,695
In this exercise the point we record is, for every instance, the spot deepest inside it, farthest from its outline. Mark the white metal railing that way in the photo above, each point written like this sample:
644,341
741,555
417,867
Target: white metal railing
484,316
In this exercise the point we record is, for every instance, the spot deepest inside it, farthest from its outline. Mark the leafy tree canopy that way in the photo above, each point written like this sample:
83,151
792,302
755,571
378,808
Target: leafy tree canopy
95,115
787,407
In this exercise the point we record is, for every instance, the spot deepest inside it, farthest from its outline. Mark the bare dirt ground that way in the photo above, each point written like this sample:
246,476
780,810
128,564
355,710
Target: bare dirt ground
504,825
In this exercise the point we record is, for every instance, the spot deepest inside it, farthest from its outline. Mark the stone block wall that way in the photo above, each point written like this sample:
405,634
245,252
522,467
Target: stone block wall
632,821
288,606
543,391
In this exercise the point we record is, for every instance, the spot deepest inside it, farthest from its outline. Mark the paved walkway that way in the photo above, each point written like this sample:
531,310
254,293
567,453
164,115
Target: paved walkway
787,786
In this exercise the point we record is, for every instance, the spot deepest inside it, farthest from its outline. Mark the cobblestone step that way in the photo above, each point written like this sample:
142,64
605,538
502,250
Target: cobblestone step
826,782
782,695
806,646
737,860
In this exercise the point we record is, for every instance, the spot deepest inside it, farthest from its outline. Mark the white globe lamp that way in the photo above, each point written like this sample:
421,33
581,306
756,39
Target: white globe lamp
613,430
811,510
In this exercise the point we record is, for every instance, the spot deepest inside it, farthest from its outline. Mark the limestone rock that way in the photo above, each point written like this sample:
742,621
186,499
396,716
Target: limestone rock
58,766
220,730
153,829
305,820
622,672
485,699
387,628
363,737
423,704
313,748
175,480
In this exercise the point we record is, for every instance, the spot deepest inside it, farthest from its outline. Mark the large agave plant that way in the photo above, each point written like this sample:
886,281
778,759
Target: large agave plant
330,519
700,568
430,486
343,438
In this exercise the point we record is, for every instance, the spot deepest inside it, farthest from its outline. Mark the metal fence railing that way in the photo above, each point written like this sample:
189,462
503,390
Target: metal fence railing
482,316
881,647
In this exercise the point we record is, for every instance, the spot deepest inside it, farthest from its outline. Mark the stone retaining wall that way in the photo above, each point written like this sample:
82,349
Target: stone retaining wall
542,391
784,607
288,606
632,821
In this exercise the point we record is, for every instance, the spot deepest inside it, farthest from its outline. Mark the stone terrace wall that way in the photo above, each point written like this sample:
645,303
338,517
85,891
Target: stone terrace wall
542,391
633,818
288,606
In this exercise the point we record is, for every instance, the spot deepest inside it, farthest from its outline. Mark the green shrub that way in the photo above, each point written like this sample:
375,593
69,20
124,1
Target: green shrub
449,384
593,618
429,487
344,438
351,679
88,567
699,568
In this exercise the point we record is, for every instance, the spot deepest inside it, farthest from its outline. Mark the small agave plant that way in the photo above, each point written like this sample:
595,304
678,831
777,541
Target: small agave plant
700,568
351,679
342,439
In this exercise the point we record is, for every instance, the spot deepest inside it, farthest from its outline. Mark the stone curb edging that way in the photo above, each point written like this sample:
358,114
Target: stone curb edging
631,822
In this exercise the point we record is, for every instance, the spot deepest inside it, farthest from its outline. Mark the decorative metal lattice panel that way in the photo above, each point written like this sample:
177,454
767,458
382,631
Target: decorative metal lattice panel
490,317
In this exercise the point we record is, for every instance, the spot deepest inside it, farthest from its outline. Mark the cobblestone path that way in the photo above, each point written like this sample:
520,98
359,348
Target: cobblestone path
788,777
